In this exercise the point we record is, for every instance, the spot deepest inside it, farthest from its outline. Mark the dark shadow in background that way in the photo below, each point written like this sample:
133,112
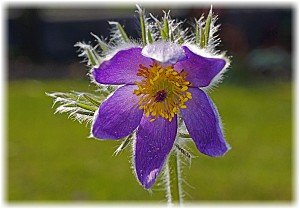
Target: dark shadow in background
41,41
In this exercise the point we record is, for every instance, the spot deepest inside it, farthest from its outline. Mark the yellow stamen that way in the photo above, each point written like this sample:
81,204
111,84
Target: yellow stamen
162,91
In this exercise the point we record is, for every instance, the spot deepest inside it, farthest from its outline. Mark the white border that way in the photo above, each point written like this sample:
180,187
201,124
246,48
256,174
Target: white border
234,3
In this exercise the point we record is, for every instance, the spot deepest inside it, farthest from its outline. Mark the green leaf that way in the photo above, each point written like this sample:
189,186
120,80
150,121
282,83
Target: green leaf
124,144
202,38
180,40
79,112
208,26
183,151
150,40
86,106
184,135
88,52
143,29
91,100
163,34
161,30
166,28
123,33
101,44
91,58
80,106
172,37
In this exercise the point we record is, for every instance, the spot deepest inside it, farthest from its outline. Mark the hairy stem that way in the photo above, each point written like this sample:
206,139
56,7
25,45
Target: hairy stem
174,193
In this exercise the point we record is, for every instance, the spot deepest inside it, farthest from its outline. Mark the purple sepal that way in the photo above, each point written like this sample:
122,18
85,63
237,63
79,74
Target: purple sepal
121,68
154,141
202,121
200,70
118,116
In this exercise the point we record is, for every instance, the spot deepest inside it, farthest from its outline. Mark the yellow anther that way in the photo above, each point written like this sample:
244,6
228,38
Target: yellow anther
156,77
174,109
137,92
162,91
153,113
184,88
186,83
189,95
147,114
172,114
185,99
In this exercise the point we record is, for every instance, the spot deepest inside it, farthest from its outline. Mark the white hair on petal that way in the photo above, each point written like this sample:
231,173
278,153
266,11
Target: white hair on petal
164,52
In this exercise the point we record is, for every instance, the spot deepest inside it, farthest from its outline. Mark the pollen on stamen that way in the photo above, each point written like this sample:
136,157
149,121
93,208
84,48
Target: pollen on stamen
162,91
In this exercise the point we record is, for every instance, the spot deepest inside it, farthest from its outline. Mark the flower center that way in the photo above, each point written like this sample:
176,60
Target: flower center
162,91
160,96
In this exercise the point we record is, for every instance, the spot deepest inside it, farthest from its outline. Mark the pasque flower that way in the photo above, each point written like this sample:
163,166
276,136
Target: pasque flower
155,84
160,81
152,92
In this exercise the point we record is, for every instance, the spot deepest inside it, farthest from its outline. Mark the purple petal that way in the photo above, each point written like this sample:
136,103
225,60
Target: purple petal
153,143
118,116
164,52
203,123
121,68
200,70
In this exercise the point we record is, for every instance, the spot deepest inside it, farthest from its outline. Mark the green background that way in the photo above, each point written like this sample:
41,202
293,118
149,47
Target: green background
50,157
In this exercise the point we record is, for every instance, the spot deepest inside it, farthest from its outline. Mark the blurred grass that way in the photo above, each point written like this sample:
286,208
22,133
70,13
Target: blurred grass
50,158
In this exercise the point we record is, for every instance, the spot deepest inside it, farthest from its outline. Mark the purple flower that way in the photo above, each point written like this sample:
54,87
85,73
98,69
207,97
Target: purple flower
159,81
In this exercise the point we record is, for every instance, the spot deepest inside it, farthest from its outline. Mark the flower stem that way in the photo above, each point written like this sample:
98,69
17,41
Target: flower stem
174,193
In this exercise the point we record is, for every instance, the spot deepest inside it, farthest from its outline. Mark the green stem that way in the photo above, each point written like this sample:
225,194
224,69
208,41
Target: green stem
174,193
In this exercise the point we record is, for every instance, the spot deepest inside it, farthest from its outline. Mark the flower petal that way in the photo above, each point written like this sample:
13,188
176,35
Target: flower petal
164,52
153,143
203,123
200,70
121,68
118,116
